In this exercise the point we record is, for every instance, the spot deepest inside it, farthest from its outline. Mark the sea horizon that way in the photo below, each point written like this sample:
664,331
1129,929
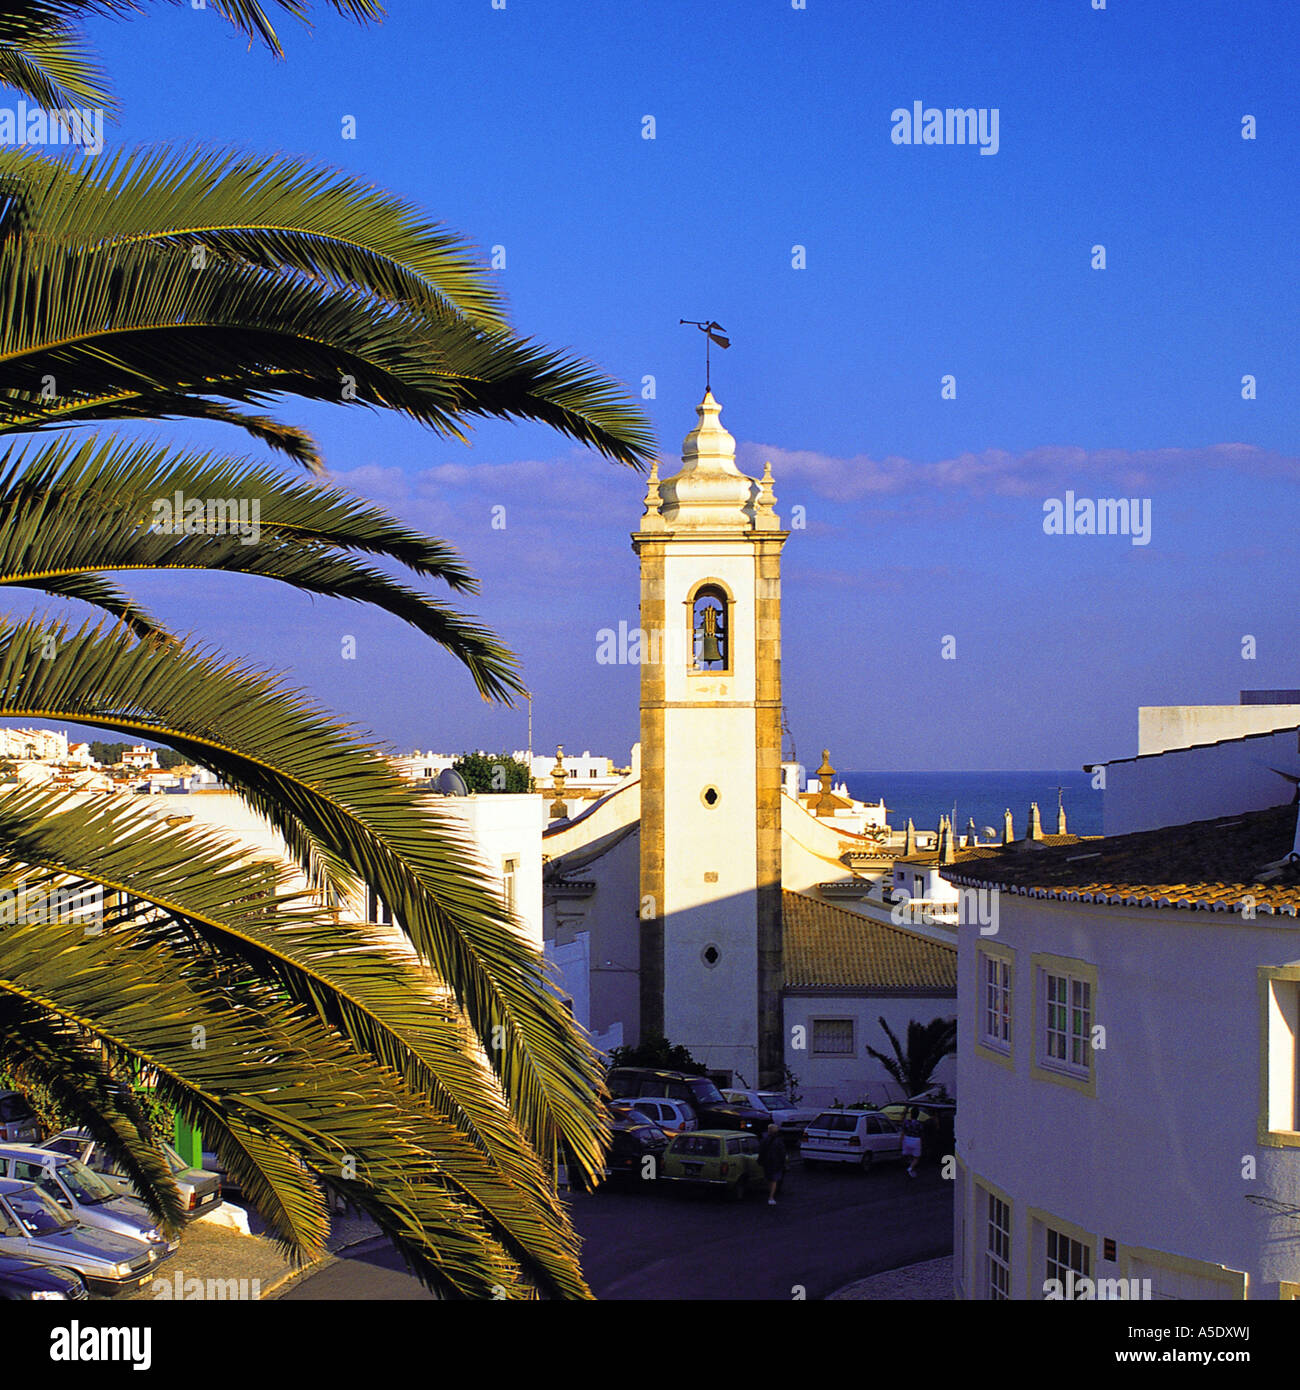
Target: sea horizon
982,797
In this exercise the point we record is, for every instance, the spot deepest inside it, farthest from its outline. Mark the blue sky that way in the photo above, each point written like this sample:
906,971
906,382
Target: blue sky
523,127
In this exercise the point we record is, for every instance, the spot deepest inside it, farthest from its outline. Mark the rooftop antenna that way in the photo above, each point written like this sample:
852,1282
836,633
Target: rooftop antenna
788,736
1060,799
713,333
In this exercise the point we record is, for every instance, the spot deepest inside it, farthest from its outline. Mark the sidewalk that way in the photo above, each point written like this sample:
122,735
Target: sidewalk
931,1280
216,1262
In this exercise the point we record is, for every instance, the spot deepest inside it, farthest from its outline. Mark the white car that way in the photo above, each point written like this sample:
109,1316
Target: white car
672,1116
782,1109
860,1137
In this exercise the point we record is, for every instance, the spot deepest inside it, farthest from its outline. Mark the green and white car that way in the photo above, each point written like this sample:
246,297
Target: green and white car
725,1160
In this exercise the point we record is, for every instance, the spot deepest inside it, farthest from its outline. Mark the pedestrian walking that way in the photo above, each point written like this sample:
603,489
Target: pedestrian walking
912,1131
771,1154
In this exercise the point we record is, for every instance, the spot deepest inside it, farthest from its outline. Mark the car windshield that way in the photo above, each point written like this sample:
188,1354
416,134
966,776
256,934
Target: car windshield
774,1102
36,1213
87,1187
704,1090
698,1145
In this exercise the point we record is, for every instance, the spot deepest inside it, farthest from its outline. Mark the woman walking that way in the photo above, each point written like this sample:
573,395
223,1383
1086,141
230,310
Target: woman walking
912,1131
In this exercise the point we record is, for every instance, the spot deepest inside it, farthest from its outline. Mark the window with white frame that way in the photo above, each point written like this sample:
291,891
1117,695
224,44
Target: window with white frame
509,870
1067,1022
997,1248
1282,1052
1067,1260
832,1037
995,1001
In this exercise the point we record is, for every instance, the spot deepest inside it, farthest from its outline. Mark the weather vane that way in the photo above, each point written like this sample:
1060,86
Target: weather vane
713,334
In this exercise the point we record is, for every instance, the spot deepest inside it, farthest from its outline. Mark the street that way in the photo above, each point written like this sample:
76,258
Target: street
831,1227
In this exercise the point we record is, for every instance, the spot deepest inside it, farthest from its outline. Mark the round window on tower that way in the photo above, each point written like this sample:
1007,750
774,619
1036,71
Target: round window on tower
710,796
710,955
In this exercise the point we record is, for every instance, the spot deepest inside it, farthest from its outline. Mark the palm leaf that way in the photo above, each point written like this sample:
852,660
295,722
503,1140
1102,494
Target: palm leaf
84,329
198,884
346,818
68,512
264,1074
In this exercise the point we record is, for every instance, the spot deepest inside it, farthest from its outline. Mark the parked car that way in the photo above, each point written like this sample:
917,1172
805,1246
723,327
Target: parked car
672,1116
228,1186
26,1281
35,1227
634,1139
199,1189
715,1158
712,1111
85,1195
861,1137
791,1118
19,1123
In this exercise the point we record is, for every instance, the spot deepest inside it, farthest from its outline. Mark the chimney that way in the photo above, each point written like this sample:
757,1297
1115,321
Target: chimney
1008,828
946,855
1060,821
972,835
1035,831
559,811
825,775
909,842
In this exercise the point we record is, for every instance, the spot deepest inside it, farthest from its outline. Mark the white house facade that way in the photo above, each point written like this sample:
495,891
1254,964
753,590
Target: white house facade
1128,1053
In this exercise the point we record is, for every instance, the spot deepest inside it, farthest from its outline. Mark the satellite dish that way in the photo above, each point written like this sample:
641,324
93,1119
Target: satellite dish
451,783
988,833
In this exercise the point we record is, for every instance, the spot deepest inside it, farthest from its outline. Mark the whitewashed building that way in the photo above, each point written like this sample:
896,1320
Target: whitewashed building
1129,1043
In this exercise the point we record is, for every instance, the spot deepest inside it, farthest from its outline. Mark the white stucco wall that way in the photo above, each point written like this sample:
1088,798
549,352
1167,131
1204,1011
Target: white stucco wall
823,1080
1158,1159
503,826
1179,726
1192,784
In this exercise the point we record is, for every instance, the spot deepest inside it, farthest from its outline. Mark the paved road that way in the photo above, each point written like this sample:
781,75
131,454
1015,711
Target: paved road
831,1227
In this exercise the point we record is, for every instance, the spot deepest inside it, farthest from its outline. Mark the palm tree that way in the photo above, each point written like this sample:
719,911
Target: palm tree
316,1054
927,1045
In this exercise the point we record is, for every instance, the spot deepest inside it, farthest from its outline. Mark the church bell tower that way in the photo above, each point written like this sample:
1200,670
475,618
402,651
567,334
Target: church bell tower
709,547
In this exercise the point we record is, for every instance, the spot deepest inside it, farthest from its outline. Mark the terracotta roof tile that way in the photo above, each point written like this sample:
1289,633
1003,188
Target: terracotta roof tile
829,948
1214,864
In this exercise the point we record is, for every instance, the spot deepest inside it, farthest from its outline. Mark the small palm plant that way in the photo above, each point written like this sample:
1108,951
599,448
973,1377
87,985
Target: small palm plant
318,1055
927,1045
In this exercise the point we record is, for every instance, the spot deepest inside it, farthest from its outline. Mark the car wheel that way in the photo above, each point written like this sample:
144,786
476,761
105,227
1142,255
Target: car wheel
865,1162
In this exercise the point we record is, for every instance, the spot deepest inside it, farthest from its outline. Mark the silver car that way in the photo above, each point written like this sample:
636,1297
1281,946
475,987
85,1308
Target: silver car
34,1227
84,1195
200,1190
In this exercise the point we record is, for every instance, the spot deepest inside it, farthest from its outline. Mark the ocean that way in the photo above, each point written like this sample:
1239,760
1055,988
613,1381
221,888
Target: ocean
925,796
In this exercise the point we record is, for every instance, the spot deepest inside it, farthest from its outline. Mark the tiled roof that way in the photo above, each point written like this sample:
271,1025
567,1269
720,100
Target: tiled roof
830,948
963,852
1212,864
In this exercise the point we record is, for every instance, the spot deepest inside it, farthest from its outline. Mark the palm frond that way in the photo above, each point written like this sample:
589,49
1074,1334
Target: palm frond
268,211
68,513
193,885
346,818
84,328
272,1074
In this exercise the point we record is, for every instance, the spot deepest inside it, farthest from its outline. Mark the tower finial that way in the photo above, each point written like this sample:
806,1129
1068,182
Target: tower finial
713,333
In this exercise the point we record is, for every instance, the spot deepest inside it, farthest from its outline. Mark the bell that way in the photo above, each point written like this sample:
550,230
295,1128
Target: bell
709,649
